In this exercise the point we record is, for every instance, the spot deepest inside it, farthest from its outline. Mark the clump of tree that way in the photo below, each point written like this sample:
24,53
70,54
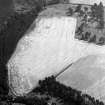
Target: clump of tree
85,9
50,88
92,39
101,40
86,36
97,14
79,30
101,16
70,12
94,11
32,100
78,8
67,96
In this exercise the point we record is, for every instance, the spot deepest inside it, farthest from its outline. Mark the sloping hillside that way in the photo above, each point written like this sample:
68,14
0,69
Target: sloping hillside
60,10
53,35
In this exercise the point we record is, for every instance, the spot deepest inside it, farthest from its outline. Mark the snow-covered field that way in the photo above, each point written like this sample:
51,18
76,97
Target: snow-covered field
41,53
88,2
87,75
47,49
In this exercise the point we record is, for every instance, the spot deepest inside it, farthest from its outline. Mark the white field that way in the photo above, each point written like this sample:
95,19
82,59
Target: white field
46,50
88,2
88,75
